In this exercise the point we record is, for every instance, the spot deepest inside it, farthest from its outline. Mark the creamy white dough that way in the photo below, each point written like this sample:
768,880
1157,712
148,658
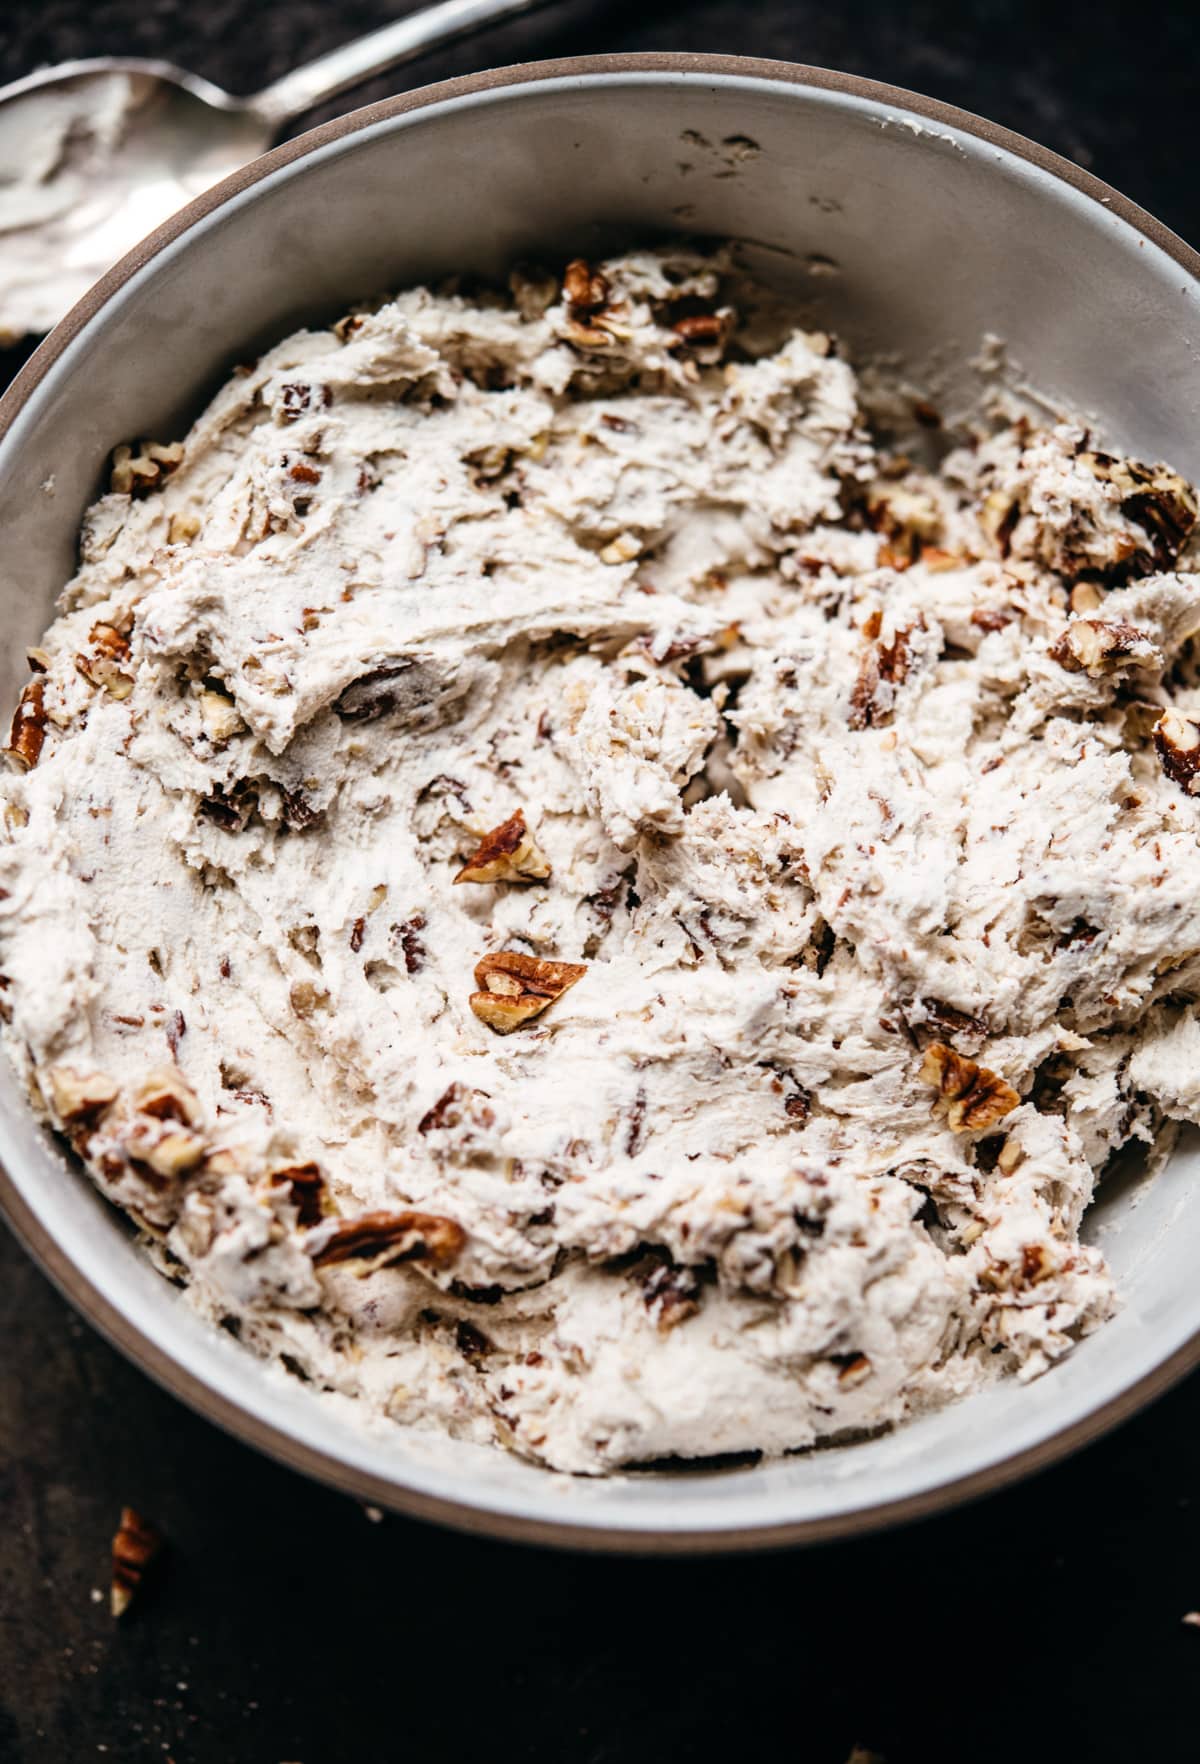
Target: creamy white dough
858,790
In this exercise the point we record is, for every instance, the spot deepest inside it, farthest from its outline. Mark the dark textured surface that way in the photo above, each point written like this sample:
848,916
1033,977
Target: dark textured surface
1043,1623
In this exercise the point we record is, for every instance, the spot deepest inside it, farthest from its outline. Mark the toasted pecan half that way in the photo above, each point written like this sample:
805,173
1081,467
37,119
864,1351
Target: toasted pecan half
515,987
380,1238
134,1549
28,733
972,1096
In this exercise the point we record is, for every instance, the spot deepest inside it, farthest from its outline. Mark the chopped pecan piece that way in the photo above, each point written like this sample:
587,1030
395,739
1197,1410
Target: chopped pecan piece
989,619
635,1127
306,998
408,935
458,1106
1078,935
1035,1264
703,335
1156,498
852,1368
137,473
672,1294
1101,646
623,549
908,519
1010,1157
895,556
509,853
516,987
110,640
164,1095
586,295
1009,1275
471,1342
701,327
298,812
296,400
1085,597
231,807
100,666
28,732
883,668
225,1162
219,715
952,1021
164,1138
998,517
937,561
595,336
381,1238
972,1096
172,1153
77,1096
1177,739
306,1188
585,290
134,1549
818,951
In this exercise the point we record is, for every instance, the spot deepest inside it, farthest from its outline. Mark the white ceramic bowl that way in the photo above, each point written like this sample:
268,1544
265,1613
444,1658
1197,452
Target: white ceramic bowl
911,228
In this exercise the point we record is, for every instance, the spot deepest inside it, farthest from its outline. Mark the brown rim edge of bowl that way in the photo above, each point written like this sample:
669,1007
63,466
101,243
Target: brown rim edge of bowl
236,1420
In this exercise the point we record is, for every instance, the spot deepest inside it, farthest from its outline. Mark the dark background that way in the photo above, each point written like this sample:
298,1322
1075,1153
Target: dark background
286,1626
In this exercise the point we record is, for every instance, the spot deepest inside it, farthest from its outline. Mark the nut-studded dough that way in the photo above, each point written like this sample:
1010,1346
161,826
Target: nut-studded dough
834,848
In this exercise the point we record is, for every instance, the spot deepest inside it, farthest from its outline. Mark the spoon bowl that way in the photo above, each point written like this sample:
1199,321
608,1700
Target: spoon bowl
95,154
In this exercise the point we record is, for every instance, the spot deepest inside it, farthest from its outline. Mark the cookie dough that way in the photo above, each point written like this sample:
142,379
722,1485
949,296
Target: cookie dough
584,898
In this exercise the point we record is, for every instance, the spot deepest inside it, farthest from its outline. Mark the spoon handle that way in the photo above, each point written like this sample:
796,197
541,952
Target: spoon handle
410,36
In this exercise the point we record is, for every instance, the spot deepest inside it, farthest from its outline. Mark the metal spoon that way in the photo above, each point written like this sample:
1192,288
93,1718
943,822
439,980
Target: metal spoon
94,154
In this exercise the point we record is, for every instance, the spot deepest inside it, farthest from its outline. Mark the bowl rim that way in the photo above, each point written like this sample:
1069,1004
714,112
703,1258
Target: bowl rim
236,1417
